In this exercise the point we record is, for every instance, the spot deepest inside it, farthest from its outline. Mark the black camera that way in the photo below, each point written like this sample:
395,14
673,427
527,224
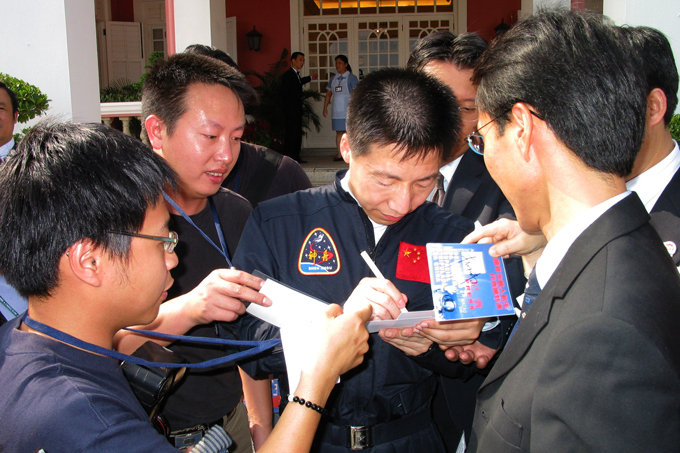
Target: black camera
151,384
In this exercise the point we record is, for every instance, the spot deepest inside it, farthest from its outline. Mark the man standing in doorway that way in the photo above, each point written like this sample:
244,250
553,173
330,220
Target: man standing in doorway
291,92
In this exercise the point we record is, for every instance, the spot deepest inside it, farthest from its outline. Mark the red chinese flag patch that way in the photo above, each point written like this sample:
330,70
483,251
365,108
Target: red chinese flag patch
412,263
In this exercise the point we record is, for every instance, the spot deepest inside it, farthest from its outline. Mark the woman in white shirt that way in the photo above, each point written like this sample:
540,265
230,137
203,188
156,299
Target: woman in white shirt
339,88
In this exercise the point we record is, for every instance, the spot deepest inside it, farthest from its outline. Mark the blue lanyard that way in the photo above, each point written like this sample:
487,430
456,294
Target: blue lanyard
223,251
8,307
256,346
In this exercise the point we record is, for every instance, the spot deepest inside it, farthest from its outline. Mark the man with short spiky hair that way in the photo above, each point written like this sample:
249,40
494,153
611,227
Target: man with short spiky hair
401,124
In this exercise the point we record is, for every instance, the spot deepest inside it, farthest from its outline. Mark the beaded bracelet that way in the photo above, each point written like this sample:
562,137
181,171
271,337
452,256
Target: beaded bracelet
309,404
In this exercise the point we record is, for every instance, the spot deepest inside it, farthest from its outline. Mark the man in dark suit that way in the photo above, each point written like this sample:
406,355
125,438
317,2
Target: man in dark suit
656,176
469,191
562,116
291,92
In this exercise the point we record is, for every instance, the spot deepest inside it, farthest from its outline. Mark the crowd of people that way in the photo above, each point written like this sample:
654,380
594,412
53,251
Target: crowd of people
577,188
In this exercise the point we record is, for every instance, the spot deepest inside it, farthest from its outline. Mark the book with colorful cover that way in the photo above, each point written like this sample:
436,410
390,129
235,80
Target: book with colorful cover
467,282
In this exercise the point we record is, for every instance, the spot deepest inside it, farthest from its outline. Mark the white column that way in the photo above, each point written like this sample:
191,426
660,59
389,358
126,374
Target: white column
664,15
52,44
200,22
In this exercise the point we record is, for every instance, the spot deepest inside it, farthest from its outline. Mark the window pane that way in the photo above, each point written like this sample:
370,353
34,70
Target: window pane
444,6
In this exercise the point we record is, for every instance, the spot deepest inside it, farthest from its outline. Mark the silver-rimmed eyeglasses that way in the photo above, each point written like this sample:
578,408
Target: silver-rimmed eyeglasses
476,141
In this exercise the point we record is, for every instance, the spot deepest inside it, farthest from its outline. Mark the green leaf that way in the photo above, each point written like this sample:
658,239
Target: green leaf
32,102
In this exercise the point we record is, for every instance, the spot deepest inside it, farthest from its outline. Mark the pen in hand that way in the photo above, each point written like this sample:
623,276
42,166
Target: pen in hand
375,270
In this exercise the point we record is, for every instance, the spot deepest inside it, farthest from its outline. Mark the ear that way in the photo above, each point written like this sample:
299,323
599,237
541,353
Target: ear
86,262
155,129
344,148
656,106
16,117
522,129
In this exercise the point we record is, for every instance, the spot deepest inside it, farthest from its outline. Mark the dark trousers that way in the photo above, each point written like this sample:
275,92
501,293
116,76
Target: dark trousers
292,140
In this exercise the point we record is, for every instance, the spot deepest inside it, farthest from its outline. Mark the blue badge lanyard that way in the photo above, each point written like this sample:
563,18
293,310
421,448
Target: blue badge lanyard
223,251
256,346
8,307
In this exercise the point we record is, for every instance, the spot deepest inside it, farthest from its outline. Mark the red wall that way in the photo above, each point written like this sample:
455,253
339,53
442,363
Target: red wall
122,11
485,15
272,19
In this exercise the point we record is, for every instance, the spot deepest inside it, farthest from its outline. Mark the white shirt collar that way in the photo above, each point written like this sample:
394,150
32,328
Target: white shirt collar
378,229
447,171
559,245
651,184
5,149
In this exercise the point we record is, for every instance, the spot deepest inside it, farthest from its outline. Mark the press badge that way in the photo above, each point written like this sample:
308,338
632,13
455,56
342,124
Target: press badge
338,89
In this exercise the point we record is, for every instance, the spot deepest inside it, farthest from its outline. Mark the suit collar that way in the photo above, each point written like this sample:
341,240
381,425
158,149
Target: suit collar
465,182
624,217
669,199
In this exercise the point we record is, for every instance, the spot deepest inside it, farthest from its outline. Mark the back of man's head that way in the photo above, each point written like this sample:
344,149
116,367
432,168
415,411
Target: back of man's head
653,48
68,182
463,50
294,55
213,52
408,109
576,72
12,97
165,88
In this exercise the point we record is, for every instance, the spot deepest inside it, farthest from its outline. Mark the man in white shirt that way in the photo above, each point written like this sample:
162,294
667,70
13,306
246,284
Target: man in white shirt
562,116
11,303
9,112
468,190
655,176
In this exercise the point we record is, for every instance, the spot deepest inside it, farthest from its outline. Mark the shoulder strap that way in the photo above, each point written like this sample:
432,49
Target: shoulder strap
256,347
263,177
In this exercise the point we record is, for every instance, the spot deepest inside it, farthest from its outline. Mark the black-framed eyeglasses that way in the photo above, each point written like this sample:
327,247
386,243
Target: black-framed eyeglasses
169,243
476,141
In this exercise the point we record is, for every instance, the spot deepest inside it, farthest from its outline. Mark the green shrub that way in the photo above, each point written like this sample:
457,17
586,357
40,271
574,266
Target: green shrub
32,102
675,127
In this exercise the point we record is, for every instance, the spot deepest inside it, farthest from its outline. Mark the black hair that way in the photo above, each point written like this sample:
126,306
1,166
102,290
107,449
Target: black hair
658,63
463,50
165,88
209,51
68,182
406,108
12,97
575,71
294,55
344,59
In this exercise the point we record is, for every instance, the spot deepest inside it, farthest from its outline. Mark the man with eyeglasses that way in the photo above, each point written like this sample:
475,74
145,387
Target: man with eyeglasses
85,238
465,188
562,117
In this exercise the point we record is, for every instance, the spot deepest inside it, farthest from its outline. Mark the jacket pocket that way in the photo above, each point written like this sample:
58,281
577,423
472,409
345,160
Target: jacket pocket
505,430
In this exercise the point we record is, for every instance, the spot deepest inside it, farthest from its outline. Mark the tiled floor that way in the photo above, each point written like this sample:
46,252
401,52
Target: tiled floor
320,166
